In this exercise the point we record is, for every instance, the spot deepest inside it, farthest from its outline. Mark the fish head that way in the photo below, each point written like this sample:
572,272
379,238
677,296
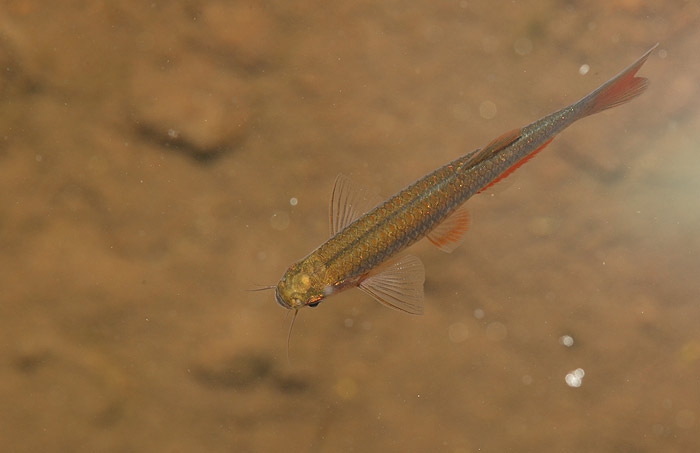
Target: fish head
299,288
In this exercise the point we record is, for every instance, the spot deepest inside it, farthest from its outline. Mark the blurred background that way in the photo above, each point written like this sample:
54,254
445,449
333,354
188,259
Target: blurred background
158,159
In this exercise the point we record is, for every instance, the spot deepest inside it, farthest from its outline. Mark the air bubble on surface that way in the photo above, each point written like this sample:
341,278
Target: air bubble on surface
575,378
566,340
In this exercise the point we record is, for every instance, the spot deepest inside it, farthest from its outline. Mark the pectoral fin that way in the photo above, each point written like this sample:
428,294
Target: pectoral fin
398,284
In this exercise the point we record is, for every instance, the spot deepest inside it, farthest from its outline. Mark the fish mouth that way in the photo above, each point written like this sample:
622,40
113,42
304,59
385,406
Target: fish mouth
280,300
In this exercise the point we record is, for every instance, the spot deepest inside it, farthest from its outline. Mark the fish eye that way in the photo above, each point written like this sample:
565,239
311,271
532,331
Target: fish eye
314,304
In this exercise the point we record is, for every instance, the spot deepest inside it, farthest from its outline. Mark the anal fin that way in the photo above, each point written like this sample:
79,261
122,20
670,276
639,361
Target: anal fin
450,233
515,166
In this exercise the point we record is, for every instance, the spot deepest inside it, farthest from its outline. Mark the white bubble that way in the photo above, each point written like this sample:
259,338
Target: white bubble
566,340
479,313
575,378
583,70
293,201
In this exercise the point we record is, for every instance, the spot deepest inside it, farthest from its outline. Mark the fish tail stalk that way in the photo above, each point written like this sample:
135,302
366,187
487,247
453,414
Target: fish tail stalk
534,137
619,90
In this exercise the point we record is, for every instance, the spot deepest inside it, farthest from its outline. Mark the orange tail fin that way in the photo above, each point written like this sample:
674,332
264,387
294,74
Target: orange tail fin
620,89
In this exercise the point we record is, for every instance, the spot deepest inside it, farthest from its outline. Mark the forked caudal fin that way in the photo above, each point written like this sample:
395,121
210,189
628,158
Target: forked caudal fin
620,89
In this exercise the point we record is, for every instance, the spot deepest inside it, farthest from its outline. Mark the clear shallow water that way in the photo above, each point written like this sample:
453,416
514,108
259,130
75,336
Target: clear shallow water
151,159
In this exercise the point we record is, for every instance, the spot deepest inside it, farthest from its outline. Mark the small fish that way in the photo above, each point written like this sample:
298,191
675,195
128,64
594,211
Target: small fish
365,248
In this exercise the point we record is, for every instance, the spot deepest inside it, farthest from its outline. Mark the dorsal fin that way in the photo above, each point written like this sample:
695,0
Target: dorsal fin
348,203
496,145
